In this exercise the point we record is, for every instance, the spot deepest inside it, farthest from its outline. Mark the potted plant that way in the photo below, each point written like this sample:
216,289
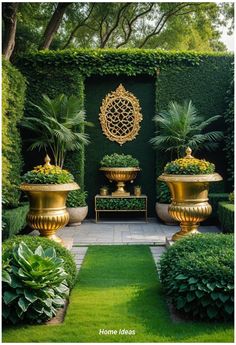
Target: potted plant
188,179
57,126
120,168
180,126
163,203
47,187
76,207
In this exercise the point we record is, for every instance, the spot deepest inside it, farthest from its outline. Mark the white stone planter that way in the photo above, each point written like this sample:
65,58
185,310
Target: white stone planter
77,215
163,214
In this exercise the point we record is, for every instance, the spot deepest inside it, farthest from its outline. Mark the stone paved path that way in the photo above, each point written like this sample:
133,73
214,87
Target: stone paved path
156,254
151,233
79,254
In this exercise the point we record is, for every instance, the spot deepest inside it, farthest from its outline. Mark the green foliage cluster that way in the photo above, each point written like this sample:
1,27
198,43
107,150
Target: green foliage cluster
34,284
120,204
14,220
13,97
229,133
76,198
112,61
214,199
186,166
163,193
50,174
35,241
197,274
226,216
116,160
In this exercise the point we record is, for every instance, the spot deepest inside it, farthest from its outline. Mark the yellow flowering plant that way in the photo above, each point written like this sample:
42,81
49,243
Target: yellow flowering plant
47,174
189,166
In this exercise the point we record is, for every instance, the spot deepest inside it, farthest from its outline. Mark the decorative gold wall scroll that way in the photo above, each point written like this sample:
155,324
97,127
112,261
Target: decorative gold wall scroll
120,115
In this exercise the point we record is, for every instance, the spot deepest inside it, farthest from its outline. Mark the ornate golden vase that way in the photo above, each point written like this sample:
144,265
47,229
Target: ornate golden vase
189,203
48,211
120,176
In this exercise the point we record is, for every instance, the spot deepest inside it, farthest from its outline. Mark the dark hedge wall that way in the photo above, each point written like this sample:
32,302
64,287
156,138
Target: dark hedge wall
13,97
202,77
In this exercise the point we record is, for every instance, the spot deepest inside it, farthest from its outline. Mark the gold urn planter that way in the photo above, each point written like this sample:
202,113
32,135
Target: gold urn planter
120,176
48,211
189,195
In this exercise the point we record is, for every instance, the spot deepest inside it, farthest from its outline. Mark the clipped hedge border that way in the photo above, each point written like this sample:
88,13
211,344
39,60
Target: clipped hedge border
197,273
120,204
14,220
14,86
34,241
214,199
226,216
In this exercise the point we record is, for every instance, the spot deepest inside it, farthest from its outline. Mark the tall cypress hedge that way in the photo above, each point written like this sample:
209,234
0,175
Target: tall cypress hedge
229,134
13,96
203,77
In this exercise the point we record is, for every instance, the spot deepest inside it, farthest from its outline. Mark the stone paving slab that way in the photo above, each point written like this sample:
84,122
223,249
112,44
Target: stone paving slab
151,233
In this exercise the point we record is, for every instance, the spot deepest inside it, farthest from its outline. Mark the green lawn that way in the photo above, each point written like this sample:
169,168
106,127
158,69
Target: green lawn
118,289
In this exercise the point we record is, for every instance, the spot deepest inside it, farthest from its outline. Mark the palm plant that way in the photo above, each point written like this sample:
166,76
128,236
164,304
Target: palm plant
59,127
180,126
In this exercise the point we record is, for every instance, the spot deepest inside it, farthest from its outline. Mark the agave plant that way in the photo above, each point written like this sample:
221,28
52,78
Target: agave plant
34,284
59,126
180,126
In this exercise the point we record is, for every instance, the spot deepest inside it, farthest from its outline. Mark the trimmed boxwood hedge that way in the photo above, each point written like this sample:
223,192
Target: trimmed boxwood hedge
197,273
14,220
34,241
214,199
226,216
13,89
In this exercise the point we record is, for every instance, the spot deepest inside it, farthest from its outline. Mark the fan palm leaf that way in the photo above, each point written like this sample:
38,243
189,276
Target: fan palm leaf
180,126
58,125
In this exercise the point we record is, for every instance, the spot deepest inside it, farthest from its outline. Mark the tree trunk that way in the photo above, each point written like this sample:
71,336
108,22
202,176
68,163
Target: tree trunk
53,25
9,11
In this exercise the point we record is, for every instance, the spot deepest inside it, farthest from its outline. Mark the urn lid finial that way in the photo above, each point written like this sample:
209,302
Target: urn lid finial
47,160
188,153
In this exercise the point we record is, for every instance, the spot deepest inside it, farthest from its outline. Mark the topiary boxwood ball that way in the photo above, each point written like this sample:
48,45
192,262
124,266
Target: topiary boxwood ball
197,273
34,241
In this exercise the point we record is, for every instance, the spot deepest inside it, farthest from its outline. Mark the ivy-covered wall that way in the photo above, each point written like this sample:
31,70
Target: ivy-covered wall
13,96
202,77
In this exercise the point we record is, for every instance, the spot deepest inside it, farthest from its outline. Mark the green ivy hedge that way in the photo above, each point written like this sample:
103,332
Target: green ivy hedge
13,89
202,77
226,216
197,273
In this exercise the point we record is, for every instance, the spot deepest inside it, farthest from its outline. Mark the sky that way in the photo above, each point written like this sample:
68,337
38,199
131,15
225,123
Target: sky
227,40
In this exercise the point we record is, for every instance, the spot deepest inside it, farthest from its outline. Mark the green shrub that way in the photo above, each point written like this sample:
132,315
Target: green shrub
197,274
76,198
163,193
226,216
14,220
214,199
34,241
120,204
34,284
13,105
117,161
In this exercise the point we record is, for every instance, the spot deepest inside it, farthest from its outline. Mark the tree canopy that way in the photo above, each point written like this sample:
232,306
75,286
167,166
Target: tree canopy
165,25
